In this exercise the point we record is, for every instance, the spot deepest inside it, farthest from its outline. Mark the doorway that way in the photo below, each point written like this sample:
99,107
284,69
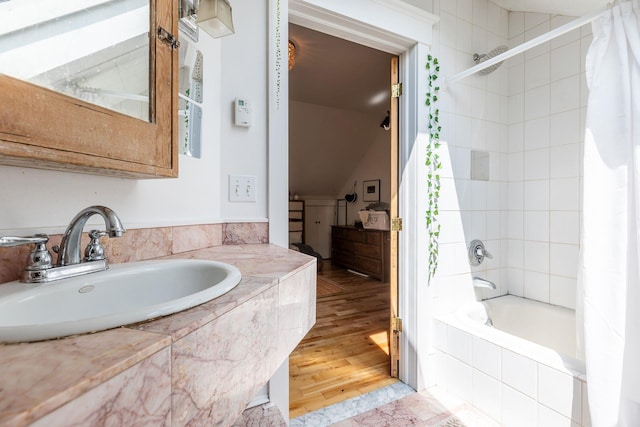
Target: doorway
339,139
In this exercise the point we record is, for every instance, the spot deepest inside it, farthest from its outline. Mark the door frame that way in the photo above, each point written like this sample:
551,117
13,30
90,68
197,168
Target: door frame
400,29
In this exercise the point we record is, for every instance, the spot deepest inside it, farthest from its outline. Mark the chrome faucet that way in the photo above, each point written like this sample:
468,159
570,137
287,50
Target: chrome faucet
70,251
71,262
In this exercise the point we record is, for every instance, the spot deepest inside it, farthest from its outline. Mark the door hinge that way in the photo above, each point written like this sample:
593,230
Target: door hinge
396,224
396,90
168,38
396,324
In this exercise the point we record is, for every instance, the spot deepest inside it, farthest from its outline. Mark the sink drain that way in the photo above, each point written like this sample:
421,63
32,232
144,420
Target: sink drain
85,289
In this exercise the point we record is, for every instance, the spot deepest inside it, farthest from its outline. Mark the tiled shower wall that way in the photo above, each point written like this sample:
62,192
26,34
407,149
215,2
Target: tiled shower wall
529,116
474,116
547,106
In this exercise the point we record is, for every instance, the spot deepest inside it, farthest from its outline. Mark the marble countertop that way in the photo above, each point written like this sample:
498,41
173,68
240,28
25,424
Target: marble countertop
36,378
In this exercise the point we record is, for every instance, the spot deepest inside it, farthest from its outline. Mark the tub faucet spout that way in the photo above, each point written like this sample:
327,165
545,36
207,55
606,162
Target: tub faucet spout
479,282
70,251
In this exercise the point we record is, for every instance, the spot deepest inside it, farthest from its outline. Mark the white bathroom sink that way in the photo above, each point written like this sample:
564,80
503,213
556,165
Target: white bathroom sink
123,294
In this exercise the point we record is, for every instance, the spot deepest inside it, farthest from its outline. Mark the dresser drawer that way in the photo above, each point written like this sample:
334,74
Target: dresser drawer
374,238
357,236
368,265
367,250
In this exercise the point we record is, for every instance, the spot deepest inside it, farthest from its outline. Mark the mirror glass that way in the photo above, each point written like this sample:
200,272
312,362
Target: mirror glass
93,50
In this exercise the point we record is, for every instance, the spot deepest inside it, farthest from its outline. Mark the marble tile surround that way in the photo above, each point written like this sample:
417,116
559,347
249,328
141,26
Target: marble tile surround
147,243
247,331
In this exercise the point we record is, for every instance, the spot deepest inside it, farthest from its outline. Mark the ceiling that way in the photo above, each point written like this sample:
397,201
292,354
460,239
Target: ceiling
554,7
333,72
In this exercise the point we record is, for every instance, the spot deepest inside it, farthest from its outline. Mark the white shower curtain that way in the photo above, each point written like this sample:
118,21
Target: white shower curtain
610,265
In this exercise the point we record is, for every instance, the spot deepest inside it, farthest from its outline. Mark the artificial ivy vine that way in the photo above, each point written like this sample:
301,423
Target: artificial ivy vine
433,164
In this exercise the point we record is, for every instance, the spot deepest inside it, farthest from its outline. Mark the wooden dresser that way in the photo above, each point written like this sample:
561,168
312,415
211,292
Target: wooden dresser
363,250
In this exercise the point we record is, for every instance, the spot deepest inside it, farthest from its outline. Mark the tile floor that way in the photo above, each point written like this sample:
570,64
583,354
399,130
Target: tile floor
396,405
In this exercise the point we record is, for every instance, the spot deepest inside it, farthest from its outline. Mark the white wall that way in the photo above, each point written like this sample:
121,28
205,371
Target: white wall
547,105
473,116
235,66
528,114
375,164
244,75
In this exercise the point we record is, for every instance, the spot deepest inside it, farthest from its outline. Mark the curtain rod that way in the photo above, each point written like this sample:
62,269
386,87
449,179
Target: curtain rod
563,29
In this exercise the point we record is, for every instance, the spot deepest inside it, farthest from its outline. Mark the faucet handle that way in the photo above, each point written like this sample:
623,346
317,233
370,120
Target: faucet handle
94,250
39,258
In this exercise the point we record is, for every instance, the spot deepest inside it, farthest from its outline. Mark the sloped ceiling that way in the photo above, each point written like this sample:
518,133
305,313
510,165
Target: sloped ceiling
345,89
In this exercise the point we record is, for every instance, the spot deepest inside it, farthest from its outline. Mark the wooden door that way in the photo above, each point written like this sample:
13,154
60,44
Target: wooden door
395,325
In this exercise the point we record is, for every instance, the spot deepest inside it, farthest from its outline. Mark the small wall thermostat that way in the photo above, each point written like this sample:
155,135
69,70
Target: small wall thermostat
242,113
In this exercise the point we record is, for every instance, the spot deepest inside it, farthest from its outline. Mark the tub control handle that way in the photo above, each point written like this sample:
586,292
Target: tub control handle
477,252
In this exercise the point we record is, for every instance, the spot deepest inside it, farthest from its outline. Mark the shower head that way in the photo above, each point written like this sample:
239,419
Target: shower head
478,59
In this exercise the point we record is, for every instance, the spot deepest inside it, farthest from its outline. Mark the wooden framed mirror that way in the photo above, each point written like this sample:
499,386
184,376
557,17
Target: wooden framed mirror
46,126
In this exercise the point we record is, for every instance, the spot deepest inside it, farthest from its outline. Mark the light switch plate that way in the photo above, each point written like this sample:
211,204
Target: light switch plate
242,188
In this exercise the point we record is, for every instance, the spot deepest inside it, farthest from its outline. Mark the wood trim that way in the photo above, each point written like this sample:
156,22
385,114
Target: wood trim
394,347
44,129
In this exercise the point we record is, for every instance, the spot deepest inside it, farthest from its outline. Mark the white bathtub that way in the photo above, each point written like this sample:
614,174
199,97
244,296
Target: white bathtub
549,325
523,370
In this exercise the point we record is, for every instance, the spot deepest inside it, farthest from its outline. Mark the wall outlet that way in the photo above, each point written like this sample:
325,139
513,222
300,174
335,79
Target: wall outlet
242,188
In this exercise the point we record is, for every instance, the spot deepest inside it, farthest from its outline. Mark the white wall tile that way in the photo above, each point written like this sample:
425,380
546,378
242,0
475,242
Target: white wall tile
536,226
537,72
516,79
562,291
439,335
536,101
565,61
479,225
536,133
516,23
559,20
563,260
494,16
515,250
516,137
515,195
515,166
465,10
560,392
487,357
532,20
493,225
564,128
565,94
564,227
459,344
517,107
520,372
564,194
550,418
536,195
536,164
536,286
459,378
586,415
515,281
464,36
487,395
536,256
564,161
516,225
518,410
480,13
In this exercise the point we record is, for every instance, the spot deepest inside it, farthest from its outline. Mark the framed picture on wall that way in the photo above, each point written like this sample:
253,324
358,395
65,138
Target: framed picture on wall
371,190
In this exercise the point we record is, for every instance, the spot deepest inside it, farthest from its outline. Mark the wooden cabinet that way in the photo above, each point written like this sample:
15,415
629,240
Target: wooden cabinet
362,250
296,221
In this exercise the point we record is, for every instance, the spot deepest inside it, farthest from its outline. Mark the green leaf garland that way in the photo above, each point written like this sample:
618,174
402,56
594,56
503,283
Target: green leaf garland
433,163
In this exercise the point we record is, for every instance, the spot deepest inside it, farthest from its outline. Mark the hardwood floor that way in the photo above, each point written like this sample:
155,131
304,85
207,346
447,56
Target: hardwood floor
346,353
